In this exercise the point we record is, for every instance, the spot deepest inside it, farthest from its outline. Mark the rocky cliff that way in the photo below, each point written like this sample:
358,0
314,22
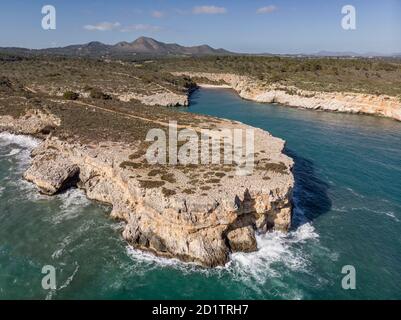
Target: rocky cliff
197,213
252,89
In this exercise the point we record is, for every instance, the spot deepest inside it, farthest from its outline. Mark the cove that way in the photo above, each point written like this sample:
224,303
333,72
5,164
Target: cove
347,212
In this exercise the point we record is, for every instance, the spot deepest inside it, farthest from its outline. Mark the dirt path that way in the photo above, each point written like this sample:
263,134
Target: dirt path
127,115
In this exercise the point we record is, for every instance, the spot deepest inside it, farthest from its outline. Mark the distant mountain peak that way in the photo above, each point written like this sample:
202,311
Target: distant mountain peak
141,46
145,39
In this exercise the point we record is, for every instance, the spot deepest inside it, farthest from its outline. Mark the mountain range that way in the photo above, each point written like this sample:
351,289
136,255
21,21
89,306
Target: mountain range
145,47
142,46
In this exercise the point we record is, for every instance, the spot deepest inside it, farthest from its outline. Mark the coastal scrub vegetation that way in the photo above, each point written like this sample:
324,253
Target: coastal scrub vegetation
362,75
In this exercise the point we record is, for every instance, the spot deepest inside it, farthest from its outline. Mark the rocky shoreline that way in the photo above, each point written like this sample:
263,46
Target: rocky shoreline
348,102
173,217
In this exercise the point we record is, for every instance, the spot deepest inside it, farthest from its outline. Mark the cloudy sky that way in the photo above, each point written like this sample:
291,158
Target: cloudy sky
287,26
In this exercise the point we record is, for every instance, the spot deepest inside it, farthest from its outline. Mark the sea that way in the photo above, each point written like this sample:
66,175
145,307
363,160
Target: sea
347,214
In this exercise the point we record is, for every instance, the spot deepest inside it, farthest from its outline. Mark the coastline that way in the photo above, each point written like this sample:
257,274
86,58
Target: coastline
345,102
204,227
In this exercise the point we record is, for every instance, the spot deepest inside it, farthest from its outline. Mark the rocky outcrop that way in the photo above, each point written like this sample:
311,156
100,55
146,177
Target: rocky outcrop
166,99
242,239
33,122
52,172
204,224
349,102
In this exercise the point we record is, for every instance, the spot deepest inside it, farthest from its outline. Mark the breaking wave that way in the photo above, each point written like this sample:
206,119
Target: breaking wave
18,147
276,252
72,203
18,139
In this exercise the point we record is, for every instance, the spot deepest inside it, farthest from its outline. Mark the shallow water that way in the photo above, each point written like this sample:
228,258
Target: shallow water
347,212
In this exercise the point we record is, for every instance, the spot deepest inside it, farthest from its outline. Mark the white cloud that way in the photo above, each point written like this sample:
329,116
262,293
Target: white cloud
268,9
103,26
140,27
209,10
157,14
109,26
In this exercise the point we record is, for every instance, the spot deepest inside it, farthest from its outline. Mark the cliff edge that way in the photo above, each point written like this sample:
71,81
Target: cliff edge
350,102
196,213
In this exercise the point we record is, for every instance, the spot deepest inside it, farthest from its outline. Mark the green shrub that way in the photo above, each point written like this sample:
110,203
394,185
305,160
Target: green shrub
70,95
98,94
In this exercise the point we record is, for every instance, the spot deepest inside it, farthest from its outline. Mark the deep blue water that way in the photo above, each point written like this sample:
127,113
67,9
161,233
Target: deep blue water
348,212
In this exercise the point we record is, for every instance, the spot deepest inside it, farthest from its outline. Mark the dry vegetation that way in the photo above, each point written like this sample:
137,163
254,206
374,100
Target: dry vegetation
374,76
89,77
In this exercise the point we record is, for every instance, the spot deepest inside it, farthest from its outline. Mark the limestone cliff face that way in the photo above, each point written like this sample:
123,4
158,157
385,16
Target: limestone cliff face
204,227
166,99
252,89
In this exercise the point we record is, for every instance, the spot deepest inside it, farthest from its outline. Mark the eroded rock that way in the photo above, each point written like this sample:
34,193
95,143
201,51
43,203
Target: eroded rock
242,239
201,222
349,102
52,172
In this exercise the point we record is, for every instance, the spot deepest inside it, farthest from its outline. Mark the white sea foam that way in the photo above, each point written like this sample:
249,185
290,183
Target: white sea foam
20,140
273,248
12,153
73,201
70,278
338,209
21,154
277,253
58,253
389,214
356,194
53,293
142,258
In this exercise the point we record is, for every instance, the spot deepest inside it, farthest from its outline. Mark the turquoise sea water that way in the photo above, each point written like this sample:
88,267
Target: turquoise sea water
347,212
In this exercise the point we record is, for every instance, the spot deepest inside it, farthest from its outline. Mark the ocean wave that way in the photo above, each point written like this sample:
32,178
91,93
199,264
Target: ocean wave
273,248
142,258
27,190
18,139
253,268
72,203
338,209
11,153
356,194
19,157
63,245
277,254
388,213
70,278
52,293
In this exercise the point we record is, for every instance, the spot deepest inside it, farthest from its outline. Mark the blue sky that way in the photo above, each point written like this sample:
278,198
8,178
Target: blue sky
287,26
